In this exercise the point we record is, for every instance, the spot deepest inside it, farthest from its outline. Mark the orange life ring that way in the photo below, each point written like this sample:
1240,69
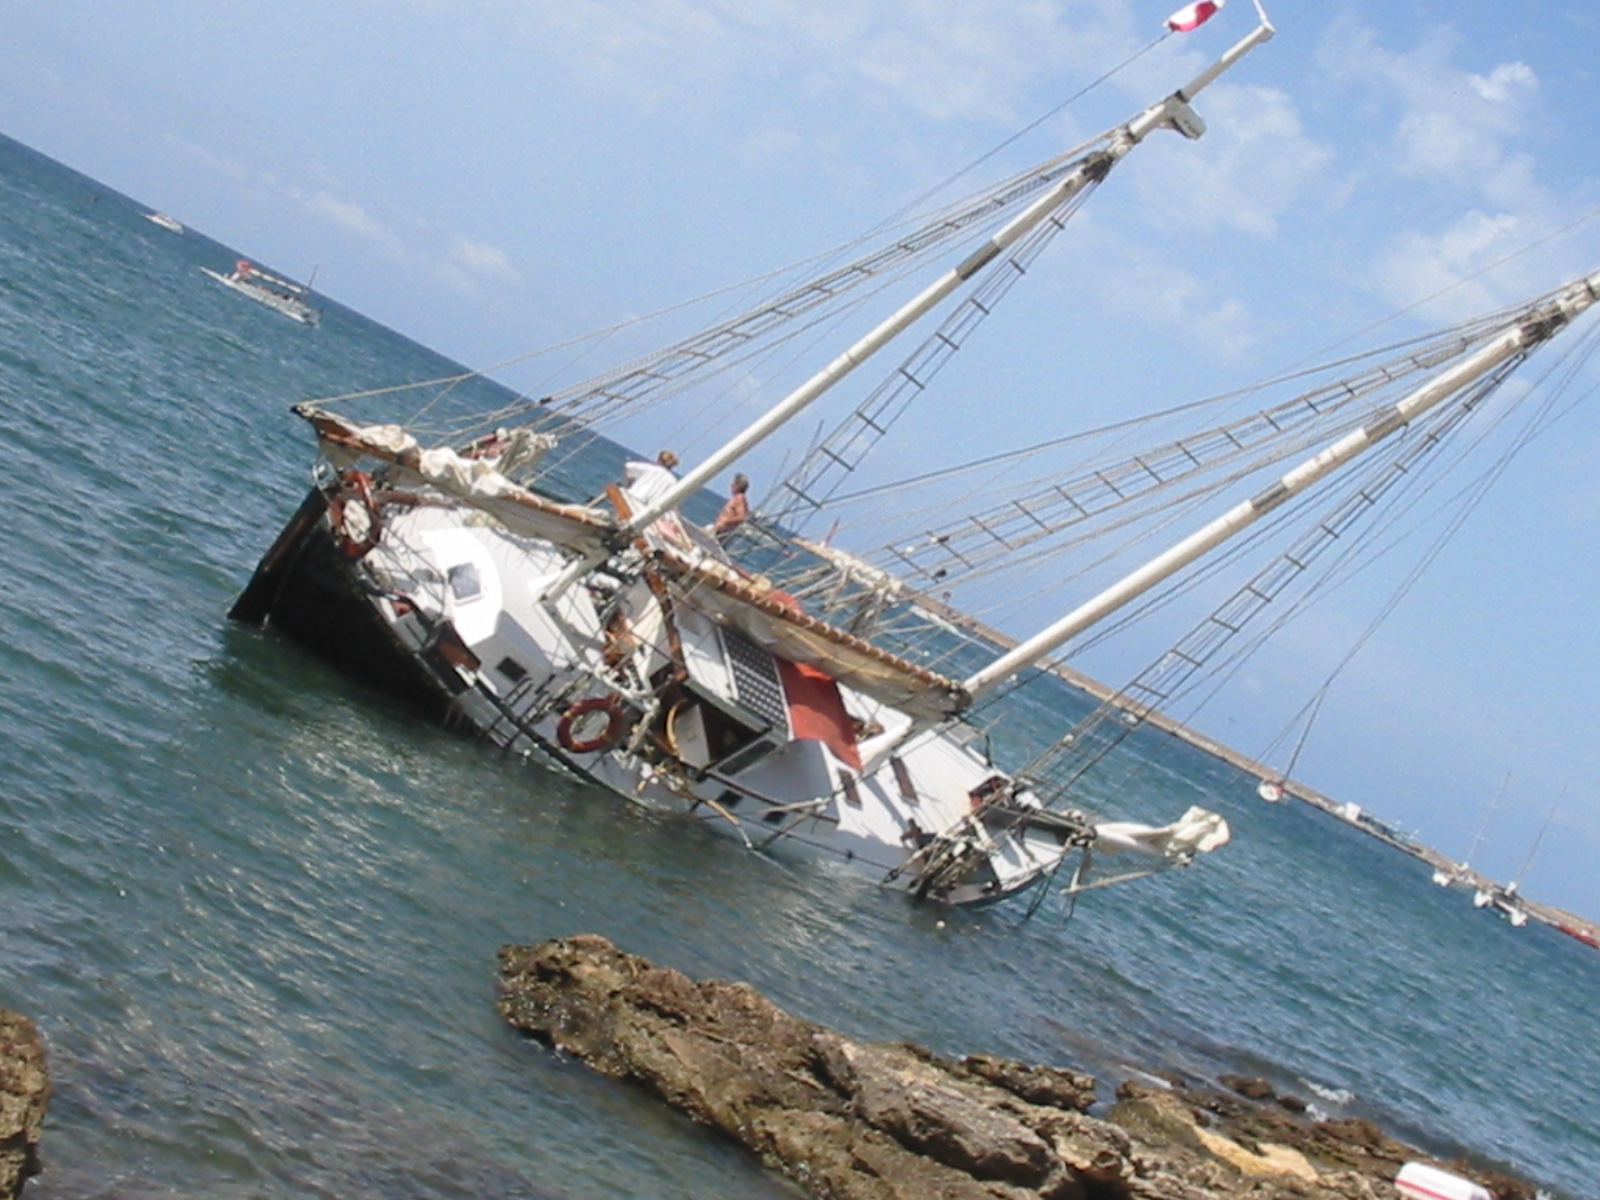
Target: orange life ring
615,727
358,485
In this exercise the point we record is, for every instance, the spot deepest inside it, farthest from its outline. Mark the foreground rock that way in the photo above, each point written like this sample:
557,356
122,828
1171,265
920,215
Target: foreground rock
24,1093
850,1121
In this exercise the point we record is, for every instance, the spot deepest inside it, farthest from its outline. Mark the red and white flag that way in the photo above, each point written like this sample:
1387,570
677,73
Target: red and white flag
1192,16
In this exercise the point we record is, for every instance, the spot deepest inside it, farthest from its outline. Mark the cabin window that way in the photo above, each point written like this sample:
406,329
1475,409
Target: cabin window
852,794
512,669
465,583
730,799
902,776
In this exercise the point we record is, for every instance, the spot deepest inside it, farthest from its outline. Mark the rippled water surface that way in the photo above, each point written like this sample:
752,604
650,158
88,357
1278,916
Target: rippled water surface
255,907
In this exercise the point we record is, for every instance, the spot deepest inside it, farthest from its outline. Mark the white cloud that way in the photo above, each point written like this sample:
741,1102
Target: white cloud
1505,81
1447,156
942,58
1160,292
229,168
1434,268
652,50
480,261
347,215
464,265
1451,125
1256,161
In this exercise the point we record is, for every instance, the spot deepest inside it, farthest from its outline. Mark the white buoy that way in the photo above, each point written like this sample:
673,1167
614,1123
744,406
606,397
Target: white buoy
1422,1182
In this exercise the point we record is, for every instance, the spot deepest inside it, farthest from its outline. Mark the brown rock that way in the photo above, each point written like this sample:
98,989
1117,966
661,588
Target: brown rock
1049,1086
845,1119
922,1107
24,1095
855,1121
1250,1089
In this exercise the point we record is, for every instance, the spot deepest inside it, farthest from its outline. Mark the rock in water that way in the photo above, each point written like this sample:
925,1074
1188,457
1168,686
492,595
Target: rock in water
24,1094
855,1121
844,1119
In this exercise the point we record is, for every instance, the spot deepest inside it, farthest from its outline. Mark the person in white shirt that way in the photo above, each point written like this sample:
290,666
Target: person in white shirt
647,482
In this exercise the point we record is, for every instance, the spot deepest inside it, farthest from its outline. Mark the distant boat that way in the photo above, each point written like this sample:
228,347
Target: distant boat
1505,900
288,298
166,222
1584,934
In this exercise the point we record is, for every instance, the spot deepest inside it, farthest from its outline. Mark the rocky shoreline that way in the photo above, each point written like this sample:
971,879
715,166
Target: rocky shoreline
24,1095
848,1120
853,1121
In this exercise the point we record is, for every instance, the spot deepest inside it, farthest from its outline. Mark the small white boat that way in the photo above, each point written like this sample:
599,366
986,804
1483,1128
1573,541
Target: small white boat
1420,1181
166,222
288,298
1502,900
1507,900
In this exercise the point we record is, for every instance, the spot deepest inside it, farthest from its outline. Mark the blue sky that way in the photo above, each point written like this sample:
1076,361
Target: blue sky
493,177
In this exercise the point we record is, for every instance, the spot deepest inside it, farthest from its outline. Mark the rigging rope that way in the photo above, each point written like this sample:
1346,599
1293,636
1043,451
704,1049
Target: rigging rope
1080,741
1465,501
1057,771
842,450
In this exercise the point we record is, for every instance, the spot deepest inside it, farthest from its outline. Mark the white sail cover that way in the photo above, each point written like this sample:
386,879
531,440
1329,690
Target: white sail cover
1199,830
479,482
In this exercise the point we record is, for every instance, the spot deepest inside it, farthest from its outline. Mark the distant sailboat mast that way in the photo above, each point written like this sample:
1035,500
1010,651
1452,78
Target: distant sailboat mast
1483,825
1534,849
1272,789
1462,871
1508,900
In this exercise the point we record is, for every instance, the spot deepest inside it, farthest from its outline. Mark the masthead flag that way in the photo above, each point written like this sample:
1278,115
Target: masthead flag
1192,16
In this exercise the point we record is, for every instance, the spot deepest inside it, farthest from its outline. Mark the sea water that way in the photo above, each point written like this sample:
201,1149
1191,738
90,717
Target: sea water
255,906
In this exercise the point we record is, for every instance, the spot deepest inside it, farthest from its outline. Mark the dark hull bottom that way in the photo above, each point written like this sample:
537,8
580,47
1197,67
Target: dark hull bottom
308,589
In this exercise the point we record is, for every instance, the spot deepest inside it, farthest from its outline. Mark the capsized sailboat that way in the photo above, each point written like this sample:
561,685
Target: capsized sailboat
626,641
622,639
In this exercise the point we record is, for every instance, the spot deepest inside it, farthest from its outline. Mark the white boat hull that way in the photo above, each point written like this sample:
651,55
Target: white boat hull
291,306
511,668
